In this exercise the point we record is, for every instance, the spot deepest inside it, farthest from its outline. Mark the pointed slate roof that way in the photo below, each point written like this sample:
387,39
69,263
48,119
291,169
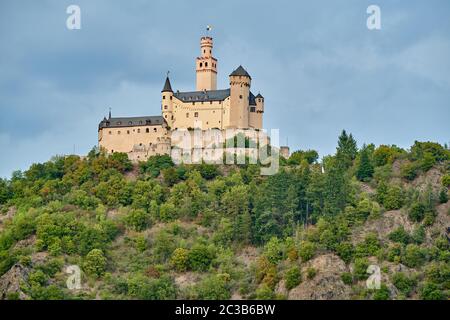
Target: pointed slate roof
240,71
167,86
259,96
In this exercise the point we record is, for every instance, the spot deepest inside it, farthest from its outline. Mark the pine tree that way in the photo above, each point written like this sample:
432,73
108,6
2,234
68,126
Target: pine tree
365,168
346,150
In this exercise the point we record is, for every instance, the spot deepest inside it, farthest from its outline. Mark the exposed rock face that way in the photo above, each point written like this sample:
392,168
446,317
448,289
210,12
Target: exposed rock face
327,284
384,225
11,280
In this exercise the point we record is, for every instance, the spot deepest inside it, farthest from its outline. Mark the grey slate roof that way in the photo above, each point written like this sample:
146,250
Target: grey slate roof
240,71
167,86
131,122
211,95
259,96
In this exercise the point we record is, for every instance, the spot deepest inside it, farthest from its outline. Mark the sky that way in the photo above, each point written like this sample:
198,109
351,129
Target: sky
316,63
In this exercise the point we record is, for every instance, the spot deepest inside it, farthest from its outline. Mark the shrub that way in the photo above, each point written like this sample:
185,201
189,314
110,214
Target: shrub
213,287
382,294
404,283
443,195
200,257
180,259
167,212
95,263
394,198
409,171
345,250
414,256
431,291
292,277
360,268
446,180
347,278
400,235
274,250
311,273
264,292
208,171
137,219
416,212
307,250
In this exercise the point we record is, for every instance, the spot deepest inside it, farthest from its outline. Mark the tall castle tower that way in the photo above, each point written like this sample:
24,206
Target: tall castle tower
206,66
240,82
167,102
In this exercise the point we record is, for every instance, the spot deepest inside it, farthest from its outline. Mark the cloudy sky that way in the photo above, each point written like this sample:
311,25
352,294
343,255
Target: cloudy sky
318,66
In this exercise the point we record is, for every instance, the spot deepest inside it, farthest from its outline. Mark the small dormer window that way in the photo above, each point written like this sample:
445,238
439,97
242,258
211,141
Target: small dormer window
130,123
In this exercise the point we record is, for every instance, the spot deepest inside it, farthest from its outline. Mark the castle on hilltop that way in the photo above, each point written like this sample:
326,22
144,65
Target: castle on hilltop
206,108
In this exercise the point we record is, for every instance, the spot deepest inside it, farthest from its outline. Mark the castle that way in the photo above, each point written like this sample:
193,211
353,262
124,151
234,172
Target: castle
206,108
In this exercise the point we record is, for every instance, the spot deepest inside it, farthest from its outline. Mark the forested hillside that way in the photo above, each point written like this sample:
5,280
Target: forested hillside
160,231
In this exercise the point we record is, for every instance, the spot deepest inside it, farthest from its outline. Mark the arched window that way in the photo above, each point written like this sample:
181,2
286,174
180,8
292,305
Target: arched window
206,64
196,114
147,130
201,64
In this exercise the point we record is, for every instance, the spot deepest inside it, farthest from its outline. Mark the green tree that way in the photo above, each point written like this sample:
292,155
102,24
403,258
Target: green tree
137,219
346,150
180,259
365,168
95,263
292,277
443,195
200,257
307,250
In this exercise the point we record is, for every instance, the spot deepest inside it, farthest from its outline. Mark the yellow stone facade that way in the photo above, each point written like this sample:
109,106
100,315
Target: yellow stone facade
207,108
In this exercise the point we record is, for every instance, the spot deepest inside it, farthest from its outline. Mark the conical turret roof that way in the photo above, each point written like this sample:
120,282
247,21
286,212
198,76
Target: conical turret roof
167,86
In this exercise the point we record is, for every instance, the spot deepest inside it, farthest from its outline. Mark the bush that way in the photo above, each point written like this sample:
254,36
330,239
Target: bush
213,287
403,283
431,291
264,292
95,263
208,171
274,250
409,171
400,235
416,212
345,251
414,256
311,273
443,195
180,259
360,268
394,198
307,250
292,277
167,212
137,219
446,180
200,257
347,278
382,294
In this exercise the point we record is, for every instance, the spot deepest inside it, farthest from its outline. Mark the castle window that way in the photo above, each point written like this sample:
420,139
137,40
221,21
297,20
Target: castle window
187,115
147,130
128,131
165,107
252,109
196,114
240,96
206,64
201,64
154,129
165,116
170,97
139,130
164,97
119,123
110,132
118,132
